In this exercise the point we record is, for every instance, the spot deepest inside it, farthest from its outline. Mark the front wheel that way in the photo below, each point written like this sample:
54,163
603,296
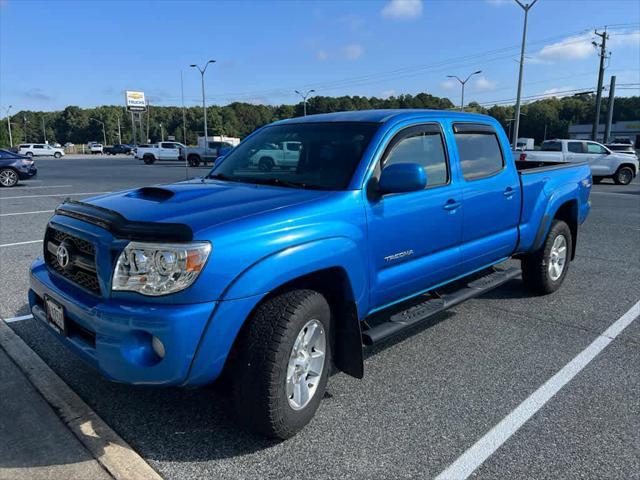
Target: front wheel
148,159
544,271
8,177
193,160
57,155
623,176
282,364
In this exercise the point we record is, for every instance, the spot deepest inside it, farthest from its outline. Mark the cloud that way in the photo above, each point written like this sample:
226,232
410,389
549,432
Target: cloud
482,84
402,9
448,85
322,55
36,94
552,91
570,48
628,39
352,51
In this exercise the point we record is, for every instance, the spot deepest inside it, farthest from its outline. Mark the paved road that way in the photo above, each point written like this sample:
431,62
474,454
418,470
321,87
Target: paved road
425,398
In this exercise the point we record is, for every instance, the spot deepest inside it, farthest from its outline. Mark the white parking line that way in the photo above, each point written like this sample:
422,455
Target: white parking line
24,213
479,452
46,186
18,319
53,195
20,243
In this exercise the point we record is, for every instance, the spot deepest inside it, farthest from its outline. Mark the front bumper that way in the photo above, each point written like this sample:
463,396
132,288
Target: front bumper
114,336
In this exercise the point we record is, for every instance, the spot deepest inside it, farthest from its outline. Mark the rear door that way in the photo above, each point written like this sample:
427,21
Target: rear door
39,150
490,196
575,152
414,237
168,151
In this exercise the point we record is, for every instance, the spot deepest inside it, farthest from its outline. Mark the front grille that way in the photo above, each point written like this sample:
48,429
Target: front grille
80,263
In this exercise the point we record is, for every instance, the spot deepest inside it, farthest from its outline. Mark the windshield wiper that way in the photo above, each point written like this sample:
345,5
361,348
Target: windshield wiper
285,183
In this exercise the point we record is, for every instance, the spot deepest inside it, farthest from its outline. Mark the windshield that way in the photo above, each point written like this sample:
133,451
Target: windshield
305,155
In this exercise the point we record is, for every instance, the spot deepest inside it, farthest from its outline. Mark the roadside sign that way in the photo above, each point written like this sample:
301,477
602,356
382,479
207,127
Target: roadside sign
135,101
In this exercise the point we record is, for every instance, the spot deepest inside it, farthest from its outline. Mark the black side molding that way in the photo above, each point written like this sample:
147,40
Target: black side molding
121,227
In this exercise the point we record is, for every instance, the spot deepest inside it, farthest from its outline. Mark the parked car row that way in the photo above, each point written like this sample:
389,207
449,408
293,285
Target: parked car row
622,167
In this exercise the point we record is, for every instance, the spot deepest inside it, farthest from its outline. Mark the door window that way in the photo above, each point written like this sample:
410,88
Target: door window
424,147
595,148
575,147
479,152
38,146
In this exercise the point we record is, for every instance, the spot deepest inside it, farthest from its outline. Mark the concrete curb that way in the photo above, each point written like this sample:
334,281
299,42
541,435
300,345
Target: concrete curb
111,451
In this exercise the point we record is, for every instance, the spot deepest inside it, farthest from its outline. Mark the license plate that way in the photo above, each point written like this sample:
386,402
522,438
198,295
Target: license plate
55,315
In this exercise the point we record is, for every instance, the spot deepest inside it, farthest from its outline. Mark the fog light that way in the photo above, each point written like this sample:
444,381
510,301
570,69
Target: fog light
158,347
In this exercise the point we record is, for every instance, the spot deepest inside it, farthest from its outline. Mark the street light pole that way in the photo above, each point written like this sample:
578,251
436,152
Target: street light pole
204,104
44,131
104,133
119,133
463,83
9,125
161,133
516,125
304,99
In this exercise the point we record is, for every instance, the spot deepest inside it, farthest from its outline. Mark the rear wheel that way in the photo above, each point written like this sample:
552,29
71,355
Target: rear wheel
544,271
148,159
57,155
282,364
194,160
8,177
29,154
266,164
623,176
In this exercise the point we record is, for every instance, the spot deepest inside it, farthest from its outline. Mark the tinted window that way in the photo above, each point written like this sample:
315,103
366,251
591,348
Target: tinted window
38,146
575,147
551,146
25,145
423,148
595,148
329,153
480,154
168,145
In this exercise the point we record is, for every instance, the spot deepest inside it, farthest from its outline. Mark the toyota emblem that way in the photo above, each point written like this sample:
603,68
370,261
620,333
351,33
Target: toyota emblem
62,255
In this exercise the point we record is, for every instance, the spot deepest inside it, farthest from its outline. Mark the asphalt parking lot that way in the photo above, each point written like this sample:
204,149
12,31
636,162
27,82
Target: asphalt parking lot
425,398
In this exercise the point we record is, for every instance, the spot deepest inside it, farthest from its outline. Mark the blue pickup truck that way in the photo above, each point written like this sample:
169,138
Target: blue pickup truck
266,279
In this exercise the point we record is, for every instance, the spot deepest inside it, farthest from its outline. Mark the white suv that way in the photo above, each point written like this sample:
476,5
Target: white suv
95,148
40,150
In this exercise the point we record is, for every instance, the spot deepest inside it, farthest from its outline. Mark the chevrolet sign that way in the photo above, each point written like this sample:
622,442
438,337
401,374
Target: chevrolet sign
135,101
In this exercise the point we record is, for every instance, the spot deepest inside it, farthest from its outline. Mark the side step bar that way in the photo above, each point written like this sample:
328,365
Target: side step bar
418,313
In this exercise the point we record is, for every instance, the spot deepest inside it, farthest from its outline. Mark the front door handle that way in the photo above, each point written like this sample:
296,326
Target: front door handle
451,205
509,192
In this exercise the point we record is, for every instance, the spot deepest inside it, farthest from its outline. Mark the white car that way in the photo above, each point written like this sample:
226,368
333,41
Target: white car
283,155
160,151
40,150
604,163
95,148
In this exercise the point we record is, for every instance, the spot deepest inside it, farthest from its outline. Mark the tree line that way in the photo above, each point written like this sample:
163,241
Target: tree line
549,117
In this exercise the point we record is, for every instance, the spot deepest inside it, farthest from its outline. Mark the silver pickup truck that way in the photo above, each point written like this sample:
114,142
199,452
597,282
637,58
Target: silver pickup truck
621,167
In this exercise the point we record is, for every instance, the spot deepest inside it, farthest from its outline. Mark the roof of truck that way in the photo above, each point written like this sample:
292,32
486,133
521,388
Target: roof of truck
382,116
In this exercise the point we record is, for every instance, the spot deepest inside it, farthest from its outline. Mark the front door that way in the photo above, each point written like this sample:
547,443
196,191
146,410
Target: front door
491,197
600,160
414,237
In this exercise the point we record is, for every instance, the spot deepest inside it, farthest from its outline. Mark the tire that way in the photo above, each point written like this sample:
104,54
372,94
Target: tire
148,159
57,155
8,177
597,180
544,271
623,176
266,164
193,160
29,154
265,359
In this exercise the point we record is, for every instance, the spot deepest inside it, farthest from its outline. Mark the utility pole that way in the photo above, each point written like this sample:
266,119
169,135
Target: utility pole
24,120
463,83
104,133
161,133
603,56
304,99
119,133
9,126
516,125
184,117
148,119
44,131
202,71
612,93
133,130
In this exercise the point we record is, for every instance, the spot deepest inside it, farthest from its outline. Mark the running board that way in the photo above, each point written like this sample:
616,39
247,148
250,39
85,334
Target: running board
418,313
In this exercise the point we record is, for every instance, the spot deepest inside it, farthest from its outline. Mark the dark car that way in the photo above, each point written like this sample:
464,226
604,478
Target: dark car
15,167
116,149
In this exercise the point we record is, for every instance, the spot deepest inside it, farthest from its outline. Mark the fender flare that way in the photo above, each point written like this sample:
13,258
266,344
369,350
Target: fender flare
557,199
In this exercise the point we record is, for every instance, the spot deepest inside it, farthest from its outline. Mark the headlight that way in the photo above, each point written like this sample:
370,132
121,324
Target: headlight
159,268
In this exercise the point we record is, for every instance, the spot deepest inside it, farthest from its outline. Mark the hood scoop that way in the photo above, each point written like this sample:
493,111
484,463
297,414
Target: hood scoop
154,194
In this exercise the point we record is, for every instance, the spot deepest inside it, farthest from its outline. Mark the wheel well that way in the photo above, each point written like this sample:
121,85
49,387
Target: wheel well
333,284
630,165
193,155
568,213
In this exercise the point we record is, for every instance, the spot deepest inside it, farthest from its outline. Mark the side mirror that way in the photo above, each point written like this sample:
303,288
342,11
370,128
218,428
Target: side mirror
402,177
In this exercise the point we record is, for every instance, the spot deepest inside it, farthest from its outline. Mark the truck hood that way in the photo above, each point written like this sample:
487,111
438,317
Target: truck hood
202,204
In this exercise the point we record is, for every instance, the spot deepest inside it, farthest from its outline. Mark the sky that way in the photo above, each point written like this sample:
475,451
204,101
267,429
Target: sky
86,53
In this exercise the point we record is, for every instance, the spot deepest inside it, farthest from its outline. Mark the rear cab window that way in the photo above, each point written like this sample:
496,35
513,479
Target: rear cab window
551,146
575,147
479,150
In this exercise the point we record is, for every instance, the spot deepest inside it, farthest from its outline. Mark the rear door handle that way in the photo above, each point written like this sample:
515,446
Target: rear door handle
509,192
451,205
